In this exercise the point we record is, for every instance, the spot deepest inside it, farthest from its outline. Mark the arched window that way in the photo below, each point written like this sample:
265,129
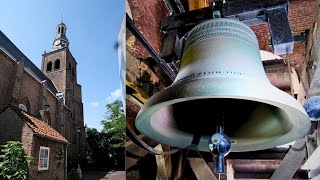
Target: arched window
57,64
49,66
59,30
62,29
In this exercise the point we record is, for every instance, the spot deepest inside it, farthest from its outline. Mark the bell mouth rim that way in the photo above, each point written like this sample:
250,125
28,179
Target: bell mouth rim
293,109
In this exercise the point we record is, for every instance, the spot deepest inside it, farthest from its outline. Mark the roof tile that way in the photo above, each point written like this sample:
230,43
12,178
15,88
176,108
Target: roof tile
40,127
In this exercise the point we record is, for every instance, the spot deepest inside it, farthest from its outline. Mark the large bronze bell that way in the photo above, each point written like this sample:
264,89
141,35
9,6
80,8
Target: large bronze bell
221,79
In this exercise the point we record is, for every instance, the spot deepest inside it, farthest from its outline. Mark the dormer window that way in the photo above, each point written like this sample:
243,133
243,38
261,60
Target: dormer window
57,64
49,66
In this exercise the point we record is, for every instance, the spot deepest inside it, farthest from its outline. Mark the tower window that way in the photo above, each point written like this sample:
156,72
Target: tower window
49,66
57,64
59,30
62,29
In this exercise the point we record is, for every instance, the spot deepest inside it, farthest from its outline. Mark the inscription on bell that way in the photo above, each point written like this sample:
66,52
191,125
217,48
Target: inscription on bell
211,73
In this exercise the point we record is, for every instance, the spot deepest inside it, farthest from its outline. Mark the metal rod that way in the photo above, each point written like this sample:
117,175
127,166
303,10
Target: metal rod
219,128
163,65
219,167
289,69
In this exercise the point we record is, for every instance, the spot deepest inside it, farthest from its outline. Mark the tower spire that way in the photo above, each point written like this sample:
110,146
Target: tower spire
61,40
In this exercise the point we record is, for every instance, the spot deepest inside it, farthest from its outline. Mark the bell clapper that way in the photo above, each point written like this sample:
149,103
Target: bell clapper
220,146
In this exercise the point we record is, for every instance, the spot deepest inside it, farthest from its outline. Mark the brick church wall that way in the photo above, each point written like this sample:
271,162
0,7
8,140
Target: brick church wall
53,171
30,88
17,130
301,16
8,68
148,17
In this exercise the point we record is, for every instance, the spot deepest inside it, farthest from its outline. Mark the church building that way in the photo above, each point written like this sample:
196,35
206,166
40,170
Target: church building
43,108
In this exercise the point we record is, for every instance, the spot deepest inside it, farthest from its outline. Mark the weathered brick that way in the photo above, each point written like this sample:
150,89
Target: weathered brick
148,17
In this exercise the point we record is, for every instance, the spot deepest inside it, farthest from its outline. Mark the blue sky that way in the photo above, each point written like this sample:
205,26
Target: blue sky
92,30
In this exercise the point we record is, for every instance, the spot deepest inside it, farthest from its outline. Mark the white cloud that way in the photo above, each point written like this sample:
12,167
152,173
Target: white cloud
94,104
114,95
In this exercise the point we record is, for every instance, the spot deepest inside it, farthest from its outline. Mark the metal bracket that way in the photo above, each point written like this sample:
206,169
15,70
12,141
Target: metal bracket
280,31
302,37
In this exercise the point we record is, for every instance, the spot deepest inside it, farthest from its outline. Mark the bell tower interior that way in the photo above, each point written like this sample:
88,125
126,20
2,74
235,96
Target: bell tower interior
200,47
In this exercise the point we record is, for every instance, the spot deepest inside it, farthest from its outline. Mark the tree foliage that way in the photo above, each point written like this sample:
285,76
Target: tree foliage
14,163
98,149
115,123
106,148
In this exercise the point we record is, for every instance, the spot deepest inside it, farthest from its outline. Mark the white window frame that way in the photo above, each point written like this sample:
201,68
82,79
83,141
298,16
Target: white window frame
44,168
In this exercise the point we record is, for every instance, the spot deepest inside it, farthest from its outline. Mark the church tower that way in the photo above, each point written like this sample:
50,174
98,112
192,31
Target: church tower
61,39
61,67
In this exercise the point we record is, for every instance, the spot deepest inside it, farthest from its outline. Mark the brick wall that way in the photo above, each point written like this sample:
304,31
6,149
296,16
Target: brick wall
54,170
8,68
52,101
148,17
31,89
57,76
301,16
17,130
14,129
262,33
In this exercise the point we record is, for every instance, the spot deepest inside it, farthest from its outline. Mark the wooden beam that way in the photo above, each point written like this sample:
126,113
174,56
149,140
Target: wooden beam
198,4
168,46
292,161
138,92
200,168
134,153
313,161
187,20
161,164
311,68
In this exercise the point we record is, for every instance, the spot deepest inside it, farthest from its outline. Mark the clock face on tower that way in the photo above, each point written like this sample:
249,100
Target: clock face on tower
57,42
60,40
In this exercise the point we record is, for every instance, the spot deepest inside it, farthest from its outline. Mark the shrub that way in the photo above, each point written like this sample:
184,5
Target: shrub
76,174
14,163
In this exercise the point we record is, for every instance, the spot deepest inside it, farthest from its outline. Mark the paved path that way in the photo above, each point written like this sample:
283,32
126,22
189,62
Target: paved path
103,175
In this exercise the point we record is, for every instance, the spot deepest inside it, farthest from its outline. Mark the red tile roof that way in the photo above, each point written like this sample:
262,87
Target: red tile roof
40,127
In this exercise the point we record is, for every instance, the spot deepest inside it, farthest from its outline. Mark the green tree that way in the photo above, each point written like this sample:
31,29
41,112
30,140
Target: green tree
98,149
14,164
114,126
115,123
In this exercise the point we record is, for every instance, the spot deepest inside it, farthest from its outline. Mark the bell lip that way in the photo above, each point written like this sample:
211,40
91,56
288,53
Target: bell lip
160,100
